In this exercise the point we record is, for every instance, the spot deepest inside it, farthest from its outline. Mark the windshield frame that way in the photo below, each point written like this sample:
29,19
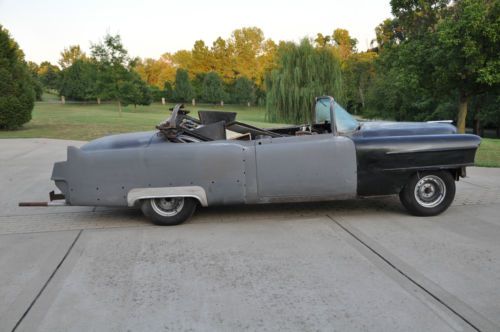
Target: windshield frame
333,115
331,101
339,108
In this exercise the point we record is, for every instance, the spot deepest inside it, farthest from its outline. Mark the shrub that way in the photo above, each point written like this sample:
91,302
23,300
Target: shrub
17,95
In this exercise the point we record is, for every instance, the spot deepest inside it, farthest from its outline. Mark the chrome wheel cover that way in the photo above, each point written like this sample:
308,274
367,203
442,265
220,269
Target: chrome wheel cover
167,206
430,191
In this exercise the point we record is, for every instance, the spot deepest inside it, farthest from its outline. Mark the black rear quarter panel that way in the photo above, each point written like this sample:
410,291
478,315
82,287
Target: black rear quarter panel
385,164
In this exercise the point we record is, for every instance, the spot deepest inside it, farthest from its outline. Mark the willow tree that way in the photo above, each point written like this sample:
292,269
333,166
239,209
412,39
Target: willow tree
302,73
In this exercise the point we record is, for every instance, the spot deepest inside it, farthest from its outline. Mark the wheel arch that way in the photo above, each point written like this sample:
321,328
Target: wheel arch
137,194
456,171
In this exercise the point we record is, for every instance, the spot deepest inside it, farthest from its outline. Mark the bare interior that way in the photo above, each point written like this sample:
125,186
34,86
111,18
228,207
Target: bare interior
220,125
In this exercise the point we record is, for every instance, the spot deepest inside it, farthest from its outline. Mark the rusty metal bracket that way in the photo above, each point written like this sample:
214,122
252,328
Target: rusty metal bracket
55,200
54,197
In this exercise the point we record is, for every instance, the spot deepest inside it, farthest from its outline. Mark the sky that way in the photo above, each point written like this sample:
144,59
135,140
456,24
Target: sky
149,28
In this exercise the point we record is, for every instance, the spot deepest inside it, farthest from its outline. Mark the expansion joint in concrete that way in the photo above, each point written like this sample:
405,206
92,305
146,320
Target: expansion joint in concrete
48,280
464,312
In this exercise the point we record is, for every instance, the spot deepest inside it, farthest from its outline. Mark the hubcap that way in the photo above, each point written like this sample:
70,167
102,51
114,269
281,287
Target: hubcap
430,191
168,206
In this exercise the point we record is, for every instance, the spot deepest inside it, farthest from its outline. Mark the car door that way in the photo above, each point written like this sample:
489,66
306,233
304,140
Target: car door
305,167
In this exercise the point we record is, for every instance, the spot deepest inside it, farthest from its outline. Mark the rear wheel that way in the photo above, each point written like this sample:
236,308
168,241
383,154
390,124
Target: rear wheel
169,211
428,193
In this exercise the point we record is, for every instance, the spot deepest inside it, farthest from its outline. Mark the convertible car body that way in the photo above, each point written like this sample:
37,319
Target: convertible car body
215,160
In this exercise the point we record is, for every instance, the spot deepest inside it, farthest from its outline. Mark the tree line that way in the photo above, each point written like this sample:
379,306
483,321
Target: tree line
438,59
234,70
231,70
434,59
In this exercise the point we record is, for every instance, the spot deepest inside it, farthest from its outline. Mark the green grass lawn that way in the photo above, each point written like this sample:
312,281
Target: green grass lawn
86,122
488,154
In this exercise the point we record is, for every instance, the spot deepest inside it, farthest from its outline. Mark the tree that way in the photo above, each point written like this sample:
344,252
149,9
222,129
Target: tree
78,81
17,96
486,111
113,69
70,55
321,40
37,85
49,75
197,85
181,59
358,74
245,53
303,72
388,33
345,44
266,61
201,59
248,45
183,91
401,88
168,90
156,93
156,72
435,54
222,55
213,90
243,91
135,92
467,56
418,17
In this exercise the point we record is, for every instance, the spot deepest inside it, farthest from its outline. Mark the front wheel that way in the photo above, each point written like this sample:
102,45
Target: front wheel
428,193
169,211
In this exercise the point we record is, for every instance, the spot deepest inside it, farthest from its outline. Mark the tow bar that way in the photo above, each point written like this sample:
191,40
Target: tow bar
55,200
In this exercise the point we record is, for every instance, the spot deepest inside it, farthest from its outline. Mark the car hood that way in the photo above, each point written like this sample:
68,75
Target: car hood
122,141
386,128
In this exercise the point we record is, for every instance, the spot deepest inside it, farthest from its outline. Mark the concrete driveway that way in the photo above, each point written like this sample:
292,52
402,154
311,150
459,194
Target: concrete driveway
346,265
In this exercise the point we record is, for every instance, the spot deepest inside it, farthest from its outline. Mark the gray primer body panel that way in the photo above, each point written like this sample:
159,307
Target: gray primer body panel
230,172
306,168
104,177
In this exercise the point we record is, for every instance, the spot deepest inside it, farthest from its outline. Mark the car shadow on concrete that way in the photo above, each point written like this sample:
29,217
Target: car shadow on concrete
277,211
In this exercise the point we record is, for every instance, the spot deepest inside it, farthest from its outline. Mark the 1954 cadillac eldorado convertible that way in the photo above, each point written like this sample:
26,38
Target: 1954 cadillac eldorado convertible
214,160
